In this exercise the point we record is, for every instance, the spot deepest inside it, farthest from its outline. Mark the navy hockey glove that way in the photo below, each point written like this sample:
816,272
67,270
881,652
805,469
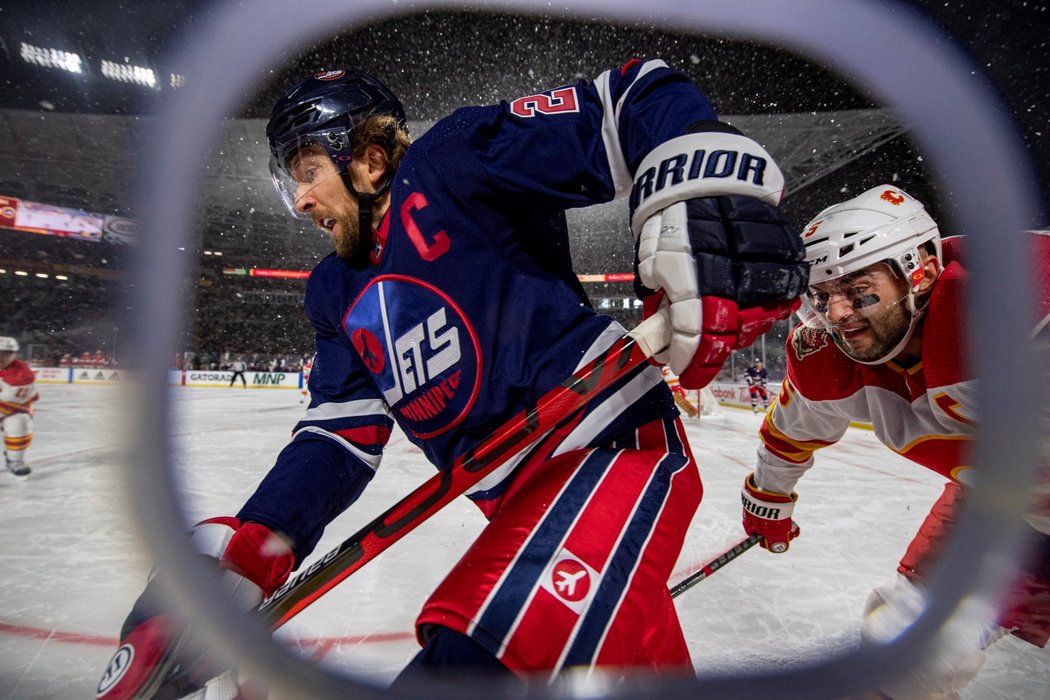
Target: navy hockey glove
713,246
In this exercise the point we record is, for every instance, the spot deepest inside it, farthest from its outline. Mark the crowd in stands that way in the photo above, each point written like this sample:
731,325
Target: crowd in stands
74,322
256,362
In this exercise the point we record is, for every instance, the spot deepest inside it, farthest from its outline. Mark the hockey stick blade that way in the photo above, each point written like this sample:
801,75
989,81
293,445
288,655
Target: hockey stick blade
627,353
714,565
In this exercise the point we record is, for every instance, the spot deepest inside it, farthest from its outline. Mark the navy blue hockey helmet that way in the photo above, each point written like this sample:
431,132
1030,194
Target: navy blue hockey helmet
324,110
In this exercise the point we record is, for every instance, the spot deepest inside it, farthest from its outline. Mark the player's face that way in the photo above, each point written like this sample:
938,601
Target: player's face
6,358
321,195
865,312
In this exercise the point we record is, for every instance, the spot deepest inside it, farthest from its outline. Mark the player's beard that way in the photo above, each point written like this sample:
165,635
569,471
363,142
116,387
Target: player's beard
884,331
347,239
350,245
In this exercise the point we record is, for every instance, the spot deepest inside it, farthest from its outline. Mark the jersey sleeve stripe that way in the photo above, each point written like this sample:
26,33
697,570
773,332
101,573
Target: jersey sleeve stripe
611,106
366,435
621,176
346,409
781,445
372,461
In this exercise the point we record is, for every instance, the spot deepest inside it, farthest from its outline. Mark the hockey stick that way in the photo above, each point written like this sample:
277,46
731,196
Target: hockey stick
627,353
714,565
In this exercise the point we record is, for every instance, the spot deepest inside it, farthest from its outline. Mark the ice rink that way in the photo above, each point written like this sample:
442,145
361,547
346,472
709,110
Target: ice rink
71,566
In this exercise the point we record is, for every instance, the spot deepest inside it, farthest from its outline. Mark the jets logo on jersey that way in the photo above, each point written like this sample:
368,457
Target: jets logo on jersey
570,581
806,341
421,351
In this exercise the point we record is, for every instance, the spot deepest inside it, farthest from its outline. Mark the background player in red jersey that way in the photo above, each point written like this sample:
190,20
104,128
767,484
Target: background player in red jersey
883,342
450,306
17,397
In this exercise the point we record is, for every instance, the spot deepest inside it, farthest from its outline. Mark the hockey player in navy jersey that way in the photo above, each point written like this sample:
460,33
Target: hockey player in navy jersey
450,304
757,377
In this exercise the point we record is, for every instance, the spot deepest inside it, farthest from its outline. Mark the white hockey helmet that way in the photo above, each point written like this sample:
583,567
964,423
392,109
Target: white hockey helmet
8,344
882,225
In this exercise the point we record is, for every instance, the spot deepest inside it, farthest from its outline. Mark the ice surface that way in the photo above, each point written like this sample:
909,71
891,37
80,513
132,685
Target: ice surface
71,562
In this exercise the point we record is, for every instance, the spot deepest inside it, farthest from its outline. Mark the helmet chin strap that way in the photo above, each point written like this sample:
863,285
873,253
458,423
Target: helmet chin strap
365,202
916,314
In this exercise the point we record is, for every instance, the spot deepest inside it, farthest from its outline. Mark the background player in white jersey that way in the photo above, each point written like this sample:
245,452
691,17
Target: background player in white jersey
308,365
884,342
17,397
681,398
450,306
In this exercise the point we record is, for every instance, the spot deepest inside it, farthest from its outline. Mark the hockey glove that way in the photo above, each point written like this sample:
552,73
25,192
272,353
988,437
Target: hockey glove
769,514
713,246
154,659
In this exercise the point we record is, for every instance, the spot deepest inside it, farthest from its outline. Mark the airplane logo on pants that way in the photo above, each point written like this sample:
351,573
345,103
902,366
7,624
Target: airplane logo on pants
570,580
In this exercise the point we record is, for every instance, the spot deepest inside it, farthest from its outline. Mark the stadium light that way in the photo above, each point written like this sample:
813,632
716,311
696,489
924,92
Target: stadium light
129,73
51,58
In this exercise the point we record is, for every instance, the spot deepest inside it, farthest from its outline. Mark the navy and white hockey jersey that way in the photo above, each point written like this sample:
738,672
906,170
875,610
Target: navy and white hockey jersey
755,376
471,310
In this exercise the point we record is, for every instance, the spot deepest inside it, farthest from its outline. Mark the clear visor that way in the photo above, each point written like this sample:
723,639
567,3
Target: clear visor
854,298
301,169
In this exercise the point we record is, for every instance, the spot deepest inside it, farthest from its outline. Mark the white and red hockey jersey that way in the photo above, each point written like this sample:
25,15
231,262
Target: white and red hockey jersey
17,389
923,411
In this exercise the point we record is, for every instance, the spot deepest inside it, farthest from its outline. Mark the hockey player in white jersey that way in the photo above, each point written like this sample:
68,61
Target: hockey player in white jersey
18,396
883,341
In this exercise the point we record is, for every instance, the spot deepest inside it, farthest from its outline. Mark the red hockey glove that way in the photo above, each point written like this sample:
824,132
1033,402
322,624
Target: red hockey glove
252,550
769,514
713,246
154,654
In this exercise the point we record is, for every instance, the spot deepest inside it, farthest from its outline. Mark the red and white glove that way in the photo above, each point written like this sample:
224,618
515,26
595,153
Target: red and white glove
154,654
713,246
768,514
251,550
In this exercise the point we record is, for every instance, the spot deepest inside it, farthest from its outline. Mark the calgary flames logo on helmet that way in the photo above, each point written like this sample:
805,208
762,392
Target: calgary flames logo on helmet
893,197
